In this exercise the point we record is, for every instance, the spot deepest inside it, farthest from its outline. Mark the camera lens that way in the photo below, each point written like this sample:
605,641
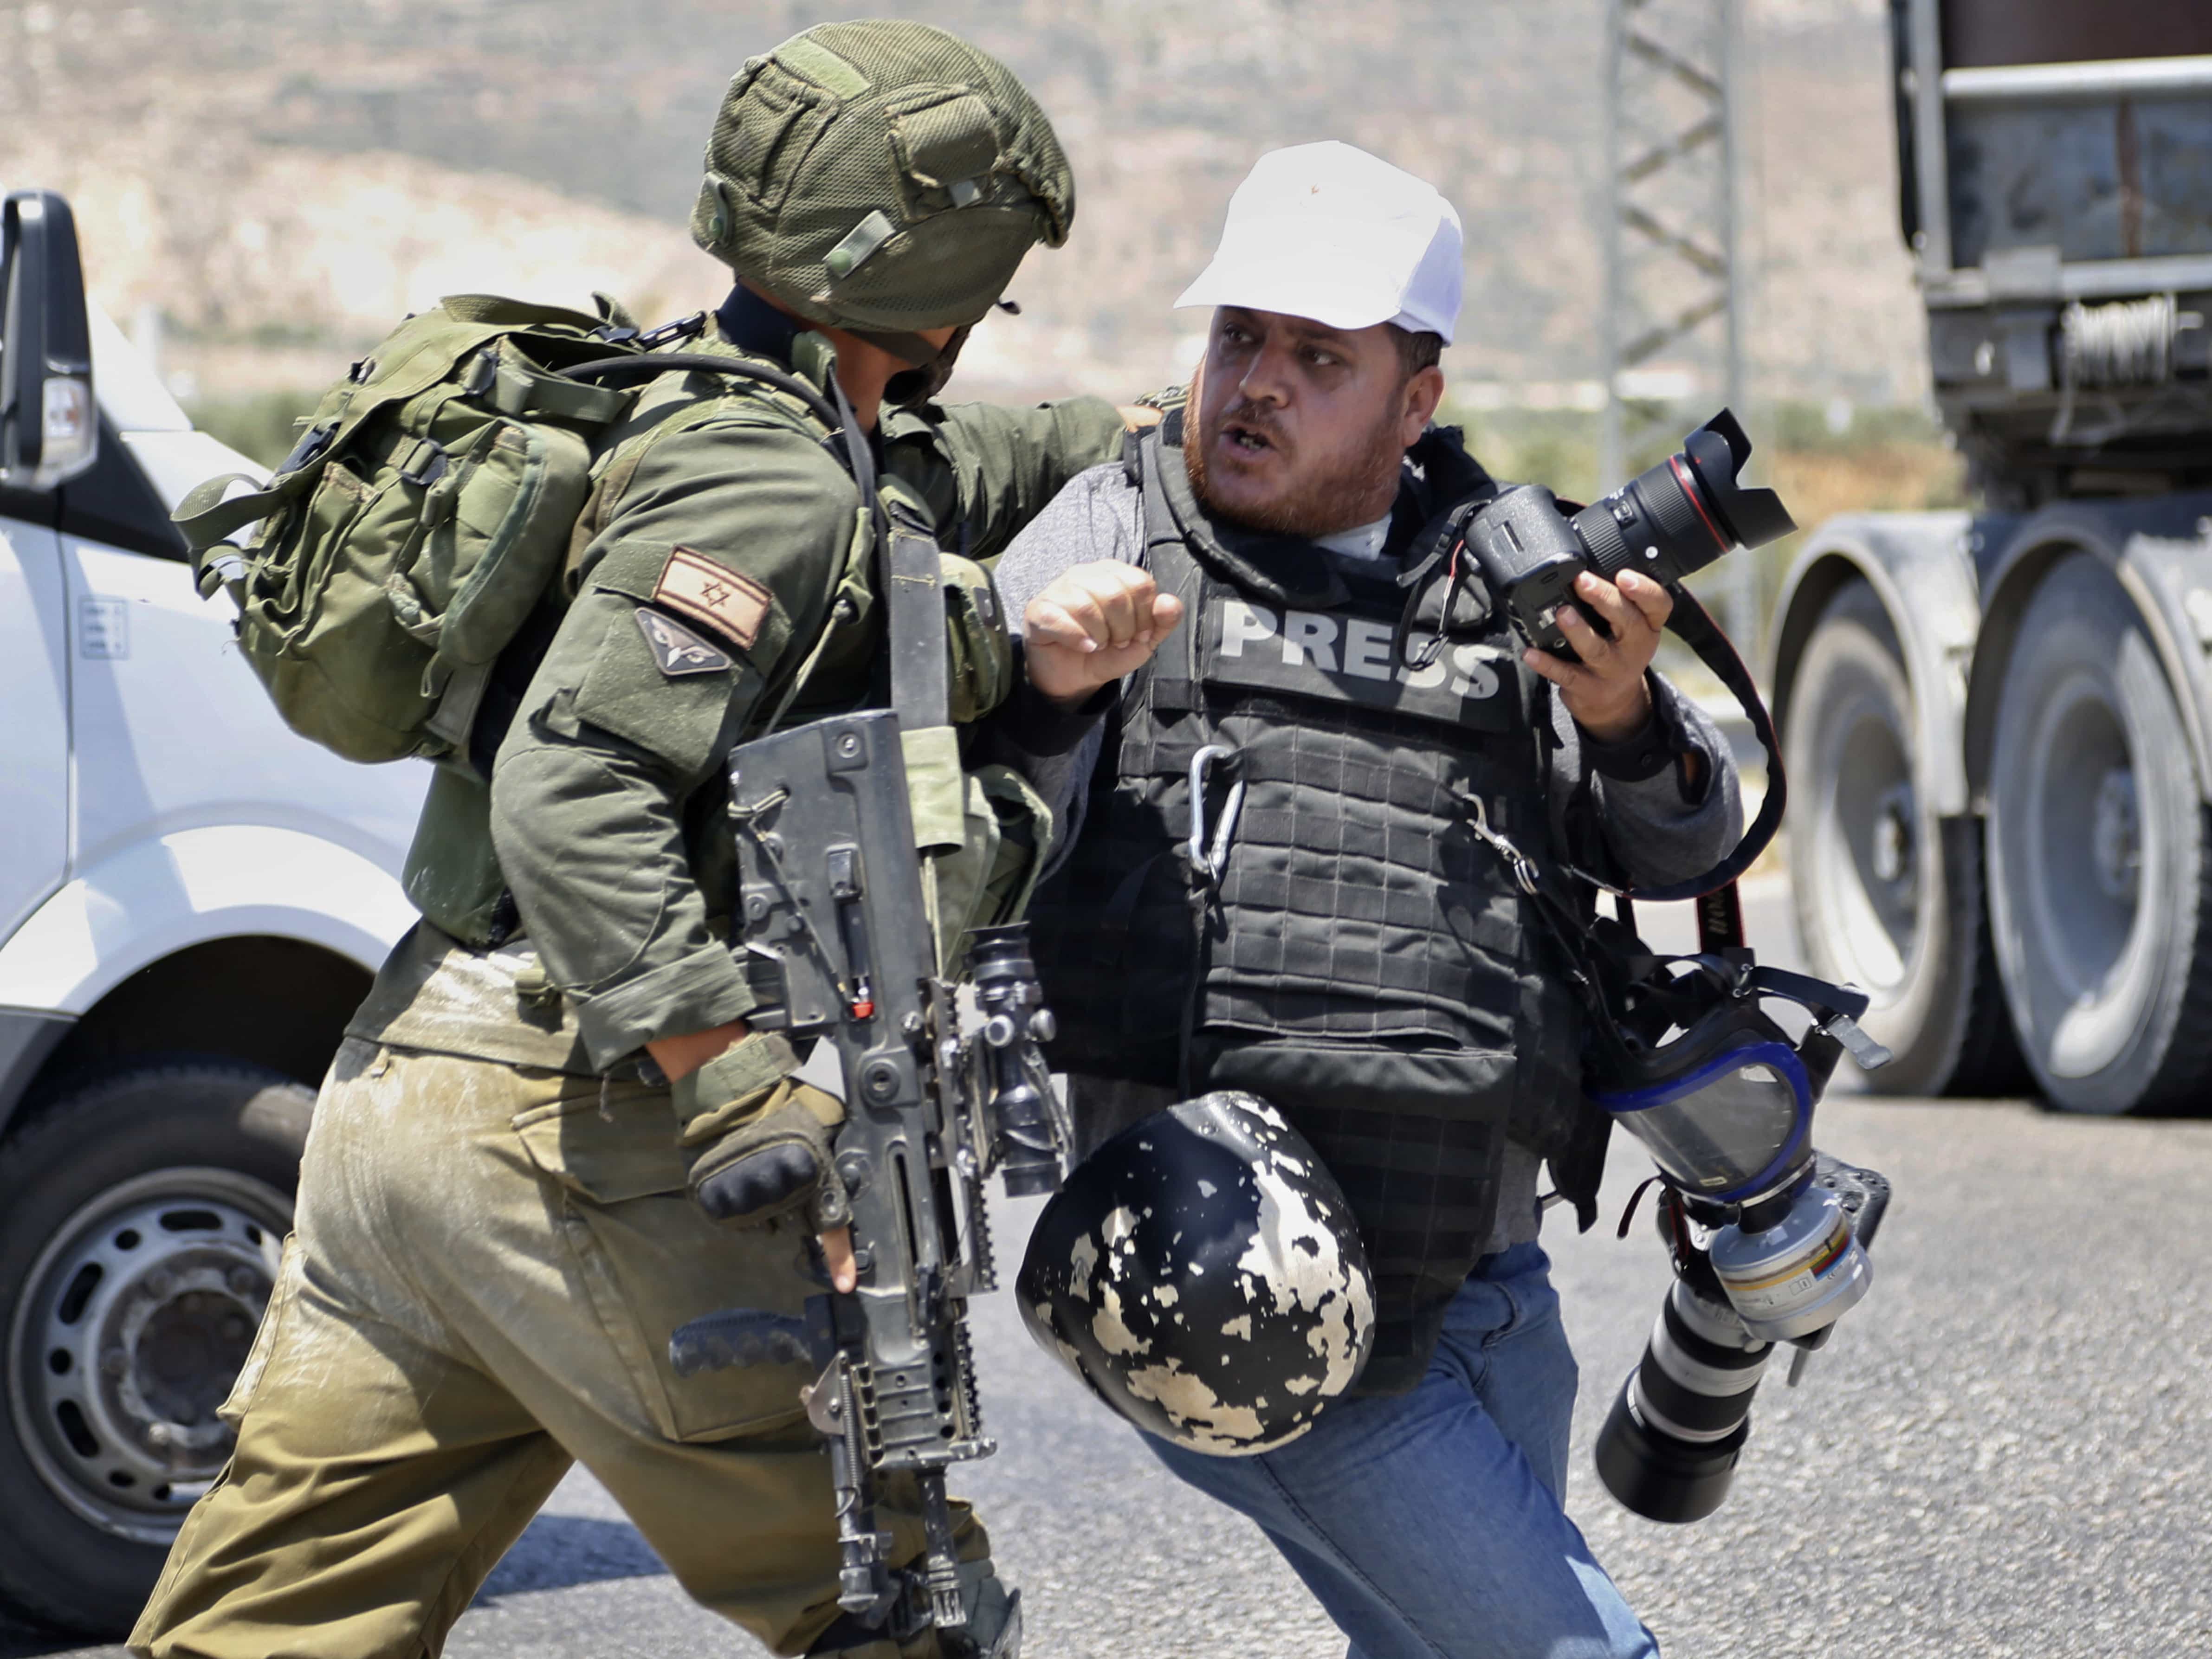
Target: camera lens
1669,1450
1684,512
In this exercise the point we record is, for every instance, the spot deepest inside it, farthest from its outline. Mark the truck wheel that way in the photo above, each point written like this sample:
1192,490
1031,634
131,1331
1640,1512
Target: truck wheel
2100,890
145,1212
1888,895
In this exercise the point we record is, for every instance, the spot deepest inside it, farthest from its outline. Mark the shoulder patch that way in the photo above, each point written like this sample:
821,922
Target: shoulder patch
711,594
677,648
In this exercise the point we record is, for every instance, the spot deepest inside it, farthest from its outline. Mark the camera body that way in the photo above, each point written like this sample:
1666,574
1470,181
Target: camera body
1665,523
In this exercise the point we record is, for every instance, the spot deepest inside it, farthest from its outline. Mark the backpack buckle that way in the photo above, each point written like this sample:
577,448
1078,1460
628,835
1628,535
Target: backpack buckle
313,442
481,373
426,465
682,329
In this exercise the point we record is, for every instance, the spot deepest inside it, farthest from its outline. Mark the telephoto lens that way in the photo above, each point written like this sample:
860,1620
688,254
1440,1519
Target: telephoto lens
1669,1450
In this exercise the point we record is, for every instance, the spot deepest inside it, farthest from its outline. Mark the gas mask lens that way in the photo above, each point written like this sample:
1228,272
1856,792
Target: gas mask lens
1727,1129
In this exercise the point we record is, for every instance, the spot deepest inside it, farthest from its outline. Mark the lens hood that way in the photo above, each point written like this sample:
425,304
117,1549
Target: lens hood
1659,1477
1716,453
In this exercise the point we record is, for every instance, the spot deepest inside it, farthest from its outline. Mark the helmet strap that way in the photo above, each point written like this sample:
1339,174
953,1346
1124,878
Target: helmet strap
910,388
908,347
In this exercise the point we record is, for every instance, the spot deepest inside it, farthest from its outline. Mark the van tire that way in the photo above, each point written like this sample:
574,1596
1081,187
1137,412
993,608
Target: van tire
151,1199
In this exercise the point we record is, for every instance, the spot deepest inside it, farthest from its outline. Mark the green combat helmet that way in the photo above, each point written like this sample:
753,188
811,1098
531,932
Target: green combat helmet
882,177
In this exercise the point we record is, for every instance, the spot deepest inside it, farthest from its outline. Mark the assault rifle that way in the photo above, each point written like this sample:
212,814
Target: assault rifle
837,943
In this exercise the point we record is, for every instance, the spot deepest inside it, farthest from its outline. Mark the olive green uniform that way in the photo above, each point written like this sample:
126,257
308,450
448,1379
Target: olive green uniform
494,1240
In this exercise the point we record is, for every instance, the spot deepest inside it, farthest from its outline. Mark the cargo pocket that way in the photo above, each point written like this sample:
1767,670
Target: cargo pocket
651,1261
248,1382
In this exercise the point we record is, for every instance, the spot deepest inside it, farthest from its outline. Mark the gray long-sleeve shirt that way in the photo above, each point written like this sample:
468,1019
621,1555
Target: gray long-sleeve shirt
1660,830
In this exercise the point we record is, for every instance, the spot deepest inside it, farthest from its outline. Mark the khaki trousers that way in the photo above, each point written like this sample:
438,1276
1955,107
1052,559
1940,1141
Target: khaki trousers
488,1263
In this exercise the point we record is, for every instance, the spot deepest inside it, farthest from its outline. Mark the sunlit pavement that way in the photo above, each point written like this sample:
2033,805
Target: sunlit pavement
2006,1451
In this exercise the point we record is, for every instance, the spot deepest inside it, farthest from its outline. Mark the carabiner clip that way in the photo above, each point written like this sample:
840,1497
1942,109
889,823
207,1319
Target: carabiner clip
1524,873
1213,860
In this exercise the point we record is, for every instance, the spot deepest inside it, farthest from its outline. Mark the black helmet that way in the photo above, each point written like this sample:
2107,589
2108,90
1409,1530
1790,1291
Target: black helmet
1201,1273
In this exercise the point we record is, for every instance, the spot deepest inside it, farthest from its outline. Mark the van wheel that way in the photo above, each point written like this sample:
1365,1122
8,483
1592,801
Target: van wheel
2100,856
138,1244
1888,895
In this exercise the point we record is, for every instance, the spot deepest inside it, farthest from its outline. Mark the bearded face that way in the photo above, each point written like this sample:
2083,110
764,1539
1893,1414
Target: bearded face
1299,429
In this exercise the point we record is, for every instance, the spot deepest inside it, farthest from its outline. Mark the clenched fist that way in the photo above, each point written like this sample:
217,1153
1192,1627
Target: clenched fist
1094,624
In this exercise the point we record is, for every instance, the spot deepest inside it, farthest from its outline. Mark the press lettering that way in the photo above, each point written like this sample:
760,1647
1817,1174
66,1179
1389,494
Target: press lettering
1367,649
1241,623
1473,675
1423,679
1309,638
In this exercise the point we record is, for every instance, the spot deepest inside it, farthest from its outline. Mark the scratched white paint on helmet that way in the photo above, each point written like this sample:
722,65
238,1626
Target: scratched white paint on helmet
1201,1273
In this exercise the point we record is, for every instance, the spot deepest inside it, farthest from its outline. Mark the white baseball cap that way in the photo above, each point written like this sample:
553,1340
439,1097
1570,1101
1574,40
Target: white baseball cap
1329,232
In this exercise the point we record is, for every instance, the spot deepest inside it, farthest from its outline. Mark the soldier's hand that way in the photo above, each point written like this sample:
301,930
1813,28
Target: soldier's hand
1606,692
773,1159
1093,624
837,1257
758,1140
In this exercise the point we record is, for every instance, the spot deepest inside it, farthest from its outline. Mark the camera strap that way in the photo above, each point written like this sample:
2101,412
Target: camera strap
1695,627
1720,920
1606,955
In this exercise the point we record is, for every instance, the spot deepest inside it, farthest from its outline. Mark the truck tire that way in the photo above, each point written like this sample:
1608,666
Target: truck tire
1888,895
2100,887
145,1212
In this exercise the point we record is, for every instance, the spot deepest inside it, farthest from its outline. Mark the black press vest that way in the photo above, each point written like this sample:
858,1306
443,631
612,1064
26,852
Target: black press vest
1361,957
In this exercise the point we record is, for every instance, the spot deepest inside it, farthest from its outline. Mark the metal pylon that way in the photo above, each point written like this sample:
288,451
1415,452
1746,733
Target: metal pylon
1674,276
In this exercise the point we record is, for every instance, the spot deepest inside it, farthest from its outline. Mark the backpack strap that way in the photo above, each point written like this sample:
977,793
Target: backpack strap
205,517
661,362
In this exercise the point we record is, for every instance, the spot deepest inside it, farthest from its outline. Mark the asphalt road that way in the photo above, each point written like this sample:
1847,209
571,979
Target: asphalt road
2006,1451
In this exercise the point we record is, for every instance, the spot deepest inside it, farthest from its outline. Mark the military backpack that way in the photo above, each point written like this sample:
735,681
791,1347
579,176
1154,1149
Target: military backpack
424,513
432,506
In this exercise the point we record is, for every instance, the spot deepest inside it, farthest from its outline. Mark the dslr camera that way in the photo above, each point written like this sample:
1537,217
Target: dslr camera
1665,524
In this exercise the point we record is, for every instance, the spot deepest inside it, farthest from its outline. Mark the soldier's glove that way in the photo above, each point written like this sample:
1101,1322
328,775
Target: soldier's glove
758,1140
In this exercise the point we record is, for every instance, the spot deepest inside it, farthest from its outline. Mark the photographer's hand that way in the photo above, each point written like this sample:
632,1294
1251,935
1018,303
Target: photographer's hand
1095,623
1606,692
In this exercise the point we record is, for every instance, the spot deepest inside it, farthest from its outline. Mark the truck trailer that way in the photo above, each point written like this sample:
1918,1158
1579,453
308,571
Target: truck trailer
1998,723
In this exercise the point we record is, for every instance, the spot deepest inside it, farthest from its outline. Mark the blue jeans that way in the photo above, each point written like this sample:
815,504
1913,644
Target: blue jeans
1429,1524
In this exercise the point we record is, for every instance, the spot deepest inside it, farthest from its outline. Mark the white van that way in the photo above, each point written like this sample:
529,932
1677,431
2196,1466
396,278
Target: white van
192,901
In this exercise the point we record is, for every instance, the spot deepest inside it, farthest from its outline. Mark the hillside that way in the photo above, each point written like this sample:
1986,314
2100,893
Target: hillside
278,182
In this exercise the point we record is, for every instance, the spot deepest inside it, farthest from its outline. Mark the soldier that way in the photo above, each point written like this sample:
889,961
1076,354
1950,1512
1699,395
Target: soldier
499,1222
1288,882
